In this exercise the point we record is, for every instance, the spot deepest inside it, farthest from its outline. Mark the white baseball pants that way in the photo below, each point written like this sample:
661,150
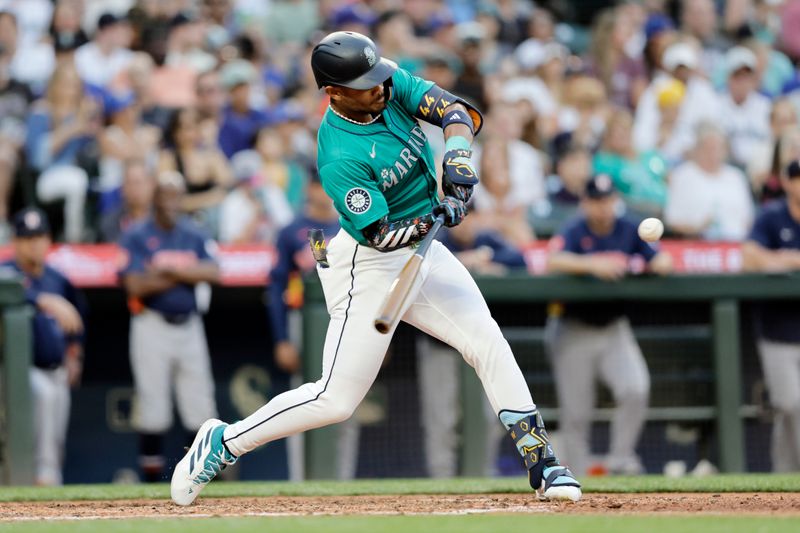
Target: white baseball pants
581,352
51,402
163,355
444,302
781,364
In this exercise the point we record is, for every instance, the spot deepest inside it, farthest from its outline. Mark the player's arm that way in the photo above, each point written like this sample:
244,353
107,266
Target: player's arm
757,258
460,121
136,278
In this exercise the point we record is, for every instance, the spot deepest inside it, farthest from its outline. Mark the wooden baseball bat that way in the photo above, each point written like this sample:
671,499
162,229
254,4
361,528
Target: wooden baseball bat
398,291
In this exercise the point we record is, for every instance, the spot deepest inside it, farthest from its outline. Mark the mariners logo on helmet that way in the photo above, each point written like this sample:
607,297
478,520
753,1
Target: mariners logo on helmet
357,200
370,55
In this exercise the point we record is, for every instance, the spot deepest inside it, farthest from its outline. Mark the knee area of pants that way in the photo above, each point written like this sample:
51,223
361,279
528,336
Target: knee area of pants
633,394
340,413
788,407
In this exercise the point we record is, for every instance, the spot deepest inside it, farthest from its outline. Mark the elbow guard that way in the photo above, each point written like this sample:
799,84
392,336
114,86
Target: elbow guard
433,103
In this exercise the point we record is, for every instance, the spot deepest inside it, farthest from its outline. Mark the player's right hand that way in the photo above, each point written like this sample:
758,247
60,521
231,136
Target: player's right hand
287,357
608,268
453,209
62,311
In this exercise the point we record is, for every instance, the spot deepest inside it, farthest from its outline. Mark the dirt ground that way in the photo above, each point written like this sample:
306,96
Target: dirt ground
725,503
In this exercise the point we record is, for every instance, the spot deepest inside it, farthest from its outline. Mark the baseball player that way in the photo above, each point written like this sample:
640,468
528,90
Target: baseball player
376,165
167,257
57,340
774,246
585,341
284,297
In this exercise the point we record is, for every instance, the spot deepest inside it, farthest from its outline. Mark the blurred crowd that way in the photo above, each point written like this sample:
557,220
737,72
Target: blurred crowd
689,106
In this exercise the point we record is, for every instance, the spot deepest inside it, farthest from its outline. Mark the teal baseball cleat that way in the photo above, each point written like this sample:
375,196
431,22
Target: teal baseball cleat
206,458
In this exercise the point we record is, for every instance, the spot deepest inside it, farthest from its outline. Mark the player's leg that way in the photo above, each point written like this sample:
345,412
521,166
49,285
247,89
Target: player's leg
450,307
624,371
151,362
438,378
781,365
194,382
63,398
352,357
573,349
46,452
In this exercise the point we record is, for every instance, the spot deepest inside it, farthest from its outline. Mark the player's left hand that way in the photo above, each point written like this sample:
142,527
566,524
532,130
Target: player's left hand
459,177
453,209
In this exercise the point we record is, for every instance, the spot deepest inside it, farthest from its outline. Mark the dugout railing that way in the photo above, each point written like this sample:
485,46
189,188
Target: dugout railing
722,294
16,409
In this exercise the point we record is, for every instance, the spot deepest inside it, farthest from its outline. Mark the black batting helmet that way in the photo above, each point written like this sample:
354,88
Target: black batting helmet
351,60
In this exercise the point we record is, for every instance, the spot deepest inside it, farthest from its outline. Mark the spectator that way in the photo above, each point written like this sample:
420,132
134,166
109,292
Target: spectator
481,250
255,210
57,327
623,76
210,107
640,177
595,341
699,19
60,128
471,83
185,44
584,111
125,137
573,168
15,99
669,97
279,170
138,186
107,54
65,28
23,31
395,33
512,178
204,169
774,246
744,111
541,83
167,258
700,103
708,198
764,166
659,33
240,121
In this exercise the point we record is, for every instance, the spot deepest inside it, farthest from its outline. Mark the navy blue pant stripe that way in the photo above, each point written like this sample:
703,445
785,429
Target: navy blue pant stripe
335,354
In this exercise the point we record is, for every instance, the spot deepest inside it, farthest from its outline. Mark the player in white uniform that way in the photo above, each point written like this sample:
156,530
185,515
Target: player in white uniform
375,163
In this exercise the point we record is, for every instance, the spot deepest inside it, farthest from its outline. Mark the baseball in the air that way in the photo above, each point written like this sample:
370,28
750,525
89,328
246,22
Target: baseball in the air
651,229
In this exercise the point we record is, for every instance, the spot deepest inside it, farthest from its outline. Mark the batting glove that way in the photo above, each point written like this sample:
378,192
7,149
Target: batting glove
458,178
453,209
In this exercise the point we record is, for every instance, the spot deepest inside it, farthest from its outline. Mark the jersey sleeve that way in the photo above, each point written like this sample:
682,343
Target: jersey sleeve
135,252
355,194
409,89
761,233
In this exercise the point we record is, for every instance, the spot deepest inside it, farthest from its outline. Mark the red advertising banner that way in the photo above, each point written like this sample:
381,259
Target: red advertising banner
96,265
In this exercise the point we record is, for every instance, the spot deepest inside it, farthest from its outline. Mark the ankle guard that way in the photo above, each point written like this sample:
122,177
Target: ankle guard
533,444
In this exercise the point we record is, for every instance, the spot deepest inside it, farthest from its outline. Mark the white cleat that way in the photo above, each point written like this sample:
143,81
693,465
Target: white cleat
558,484
206,458
570,493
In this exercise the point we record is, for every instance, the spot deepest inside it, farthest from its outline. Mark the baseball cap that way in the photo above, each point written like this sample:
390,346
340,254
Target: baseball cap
30,222
793,169
109,19
246,165
237,72
118,101
657,23
470,32
599,186
670,93
679,54
180,19
355,13
738,58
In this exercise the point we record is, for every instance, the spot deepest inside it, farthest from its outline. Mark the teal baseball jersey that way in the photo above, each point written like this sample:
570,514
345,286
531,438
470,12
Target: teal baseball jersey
382,168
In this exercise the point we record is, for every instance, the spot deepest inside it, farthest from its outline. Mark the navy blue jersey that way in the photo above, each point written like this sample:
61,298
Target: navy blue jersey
148,245
576,237
294,255
49,340
503,252
774,229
